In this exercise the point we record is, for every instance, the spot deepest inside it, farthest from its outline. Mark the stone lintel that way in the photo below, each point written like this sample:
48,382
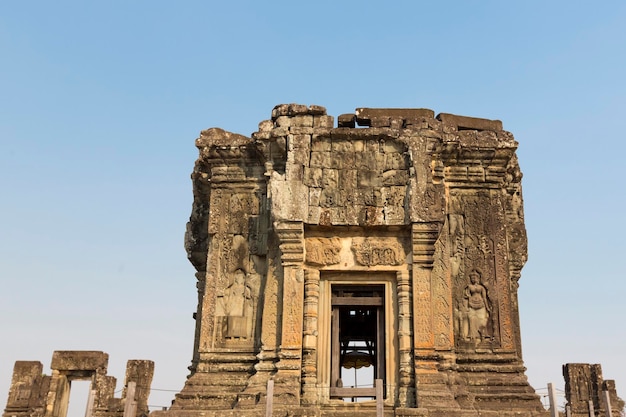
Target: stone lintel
469,123
365,115
79,360
375,133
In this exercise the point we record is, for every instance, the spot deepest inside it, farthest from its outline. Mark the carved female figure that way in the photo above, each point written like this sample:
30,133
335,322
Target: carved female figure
478,308
237,296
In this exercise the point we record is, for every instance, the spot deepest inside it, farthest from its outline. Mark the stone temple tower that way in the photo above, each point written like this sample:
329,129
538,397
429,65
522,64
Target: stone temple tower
385,248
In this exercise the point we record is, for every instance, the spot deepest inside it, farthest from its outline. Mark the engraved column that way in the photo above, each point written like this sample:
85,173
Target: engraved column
424,236
426,360
291,243
406,390
309,347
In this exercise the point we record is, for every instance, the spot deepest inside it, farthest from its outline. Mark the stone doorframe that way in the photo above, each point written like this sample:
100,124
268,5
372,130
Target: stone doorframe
317,328
68,366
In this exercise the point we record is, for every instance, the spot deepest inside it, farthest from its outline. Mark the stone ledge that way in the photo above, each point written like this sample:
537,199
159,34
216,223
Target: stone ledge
294,109
364,115
469,123
221,137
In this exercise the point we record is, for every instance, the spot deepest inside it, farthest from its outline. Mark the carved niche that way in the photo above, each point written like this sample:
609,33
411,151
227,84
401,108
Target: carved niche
235,264
474,268
236,304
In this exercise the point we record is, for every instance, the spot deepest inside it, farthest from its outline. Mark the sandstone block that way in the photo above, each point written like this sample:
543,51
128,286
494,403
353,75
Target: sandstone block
313,177
297,110
219,137
364,115
316,110
283,121
280,110
302,121
346,120
266,126
342,146
71,360
320,144
323,121
471,123
320,159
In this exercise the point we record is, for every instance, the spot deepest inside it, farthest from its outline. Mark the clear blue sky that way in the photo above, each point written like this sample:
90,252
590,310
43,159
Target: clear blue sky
101,103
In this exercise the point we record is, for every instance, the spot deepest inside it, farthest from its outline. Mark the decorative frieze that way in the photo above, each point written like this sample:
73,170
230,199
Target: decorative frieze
374,252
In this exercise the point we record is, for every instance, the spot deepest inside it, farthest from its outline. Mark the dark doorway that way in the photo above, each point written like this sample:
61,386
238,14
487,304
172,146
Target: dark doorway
357,340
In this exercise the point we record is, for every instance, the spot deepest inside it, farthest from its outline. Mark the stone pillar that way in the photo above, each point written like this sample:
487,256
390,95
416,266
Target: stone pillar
140,372
268,355
424,236
27,384
309,344
104,387
583,386
608,388
58,395
431,320
406,387
291,242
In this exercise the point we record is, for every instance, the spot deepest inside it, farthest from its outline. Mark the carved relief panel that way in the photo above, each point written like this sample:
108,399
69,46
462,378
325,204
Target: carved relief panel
387,251
357,181
479,270
372,252
237,263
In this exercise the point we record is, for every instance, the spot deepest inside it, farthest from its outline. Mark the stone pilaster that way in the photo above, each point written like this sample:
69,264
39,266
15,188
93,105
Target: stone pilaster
291,243
406,383
310,333
430,308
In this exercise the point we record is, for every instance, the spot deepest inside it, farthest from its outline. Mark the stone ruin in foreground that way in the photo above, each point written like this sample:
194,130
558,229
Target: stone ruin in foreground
34,394
370,267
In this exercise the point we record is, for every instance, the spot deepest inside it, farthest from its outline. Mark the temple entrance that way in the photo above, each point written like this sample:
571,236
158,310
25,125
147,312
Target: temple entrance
357,340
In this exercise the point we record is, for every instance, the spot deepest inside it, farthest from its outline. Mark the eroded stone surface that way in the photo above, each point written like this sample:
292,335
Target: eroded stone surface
584,391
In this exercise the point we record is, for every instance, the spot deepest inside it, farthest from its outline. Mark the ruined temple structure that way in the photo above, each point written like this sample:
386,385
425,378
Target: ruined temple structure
34,394
587,392
388,247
